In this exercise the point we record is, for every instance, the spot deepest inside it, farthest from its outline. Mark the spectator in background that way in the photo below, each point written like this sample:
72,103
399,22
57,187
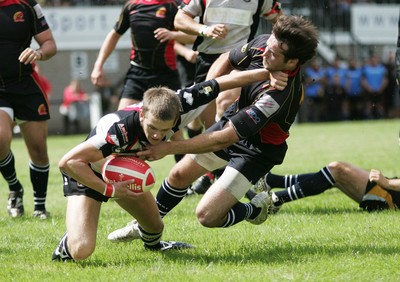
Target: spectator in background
75,107
314,91
397,59
374,83
23,101
354,105
336,71
389,92
335,95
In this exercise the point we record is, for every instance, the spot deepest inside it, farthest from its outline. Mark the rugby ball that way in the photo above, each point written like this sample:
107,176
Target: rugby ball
121,168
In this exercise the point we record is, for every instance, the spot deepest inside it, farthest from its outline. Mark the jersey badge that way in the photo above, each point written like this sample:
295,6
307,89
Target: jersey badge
244,47
206,90
18,17
161,12
42,110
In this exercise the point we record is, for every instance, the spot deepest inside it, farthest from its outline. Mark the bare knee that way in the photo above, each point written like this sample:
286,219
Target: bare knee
81,249
205,217
179,177
337,168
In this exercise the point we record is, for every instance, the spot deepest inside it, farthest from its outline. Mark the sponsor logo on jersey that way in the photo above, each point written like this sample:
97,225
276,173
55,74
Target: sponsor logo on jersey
123,131
253,115
18,17
112,139
188,98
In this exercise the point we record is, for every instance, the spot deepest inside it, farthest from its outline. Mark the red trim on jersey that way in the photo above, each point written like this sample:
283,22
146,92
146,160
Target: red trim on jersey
293,73
39,83
275,10
170,55
150,2
9,2
273,134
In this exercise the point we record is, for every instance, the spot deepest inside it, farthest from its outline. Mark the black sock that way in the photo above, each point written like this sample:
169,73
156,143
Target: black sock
239,212
7,169
310,186
285,181
150,240
39,178
168,197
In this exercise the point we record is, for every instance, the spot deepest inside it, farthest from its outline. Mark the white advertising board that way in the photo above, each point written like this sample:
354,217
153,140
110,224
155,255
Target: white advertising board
80,28
375,23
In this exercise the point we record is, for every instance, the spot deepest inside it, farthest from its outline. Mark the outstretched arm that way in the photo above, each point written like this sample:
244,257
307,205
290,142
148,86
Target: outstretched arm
242,78
208,142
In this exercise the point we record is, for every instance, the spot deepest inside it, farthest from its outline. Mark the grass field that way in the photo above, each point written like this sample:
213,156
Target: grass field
322,238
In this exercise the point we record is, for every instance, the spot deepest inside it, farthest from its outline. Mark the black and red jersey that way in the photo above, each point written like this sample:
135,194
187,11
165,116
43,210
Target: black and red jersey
143,17
20,20
263,114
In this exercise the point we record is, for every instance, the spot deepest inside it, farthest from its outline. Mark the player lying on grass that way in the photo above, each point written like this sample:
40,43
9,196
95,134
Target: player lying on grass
161,113
370,189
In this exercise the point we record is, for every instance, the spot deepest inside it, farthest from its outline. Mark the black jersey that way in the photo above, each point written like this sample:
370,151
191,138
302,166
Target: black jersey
263,114
143,18
20,20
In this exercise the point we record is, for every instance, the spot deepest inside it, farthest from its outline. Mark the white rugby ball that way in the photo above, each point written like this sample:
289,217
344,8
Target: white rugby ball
121,168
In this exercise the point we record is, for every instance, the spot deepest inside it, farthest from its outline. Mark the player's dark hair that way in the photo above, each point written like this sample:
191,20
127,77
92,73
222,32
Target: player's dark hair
299,34
162,102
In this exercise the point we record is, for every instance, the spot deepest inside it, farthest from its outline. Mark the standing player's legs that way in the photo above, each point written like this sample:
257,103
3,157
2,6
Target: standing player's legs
35,137
7,162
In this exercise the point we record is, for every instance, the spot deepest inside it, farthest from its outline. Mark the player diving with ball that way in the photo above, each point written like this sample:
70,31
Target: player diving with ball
161,113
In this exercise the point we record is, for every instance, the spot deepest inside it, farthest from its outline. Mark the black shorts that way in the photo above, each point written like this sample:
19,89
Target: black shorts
28,101
74,188
203,64
251,159
138,80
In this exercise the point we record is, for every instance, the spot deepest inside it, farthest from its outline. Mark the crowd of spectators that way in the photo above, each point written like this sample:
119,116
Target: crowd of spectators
350,89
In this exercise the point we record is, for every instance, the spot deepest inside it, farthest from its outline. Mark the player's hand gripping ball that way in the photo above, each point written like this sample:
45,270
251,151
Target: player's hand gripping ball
122,168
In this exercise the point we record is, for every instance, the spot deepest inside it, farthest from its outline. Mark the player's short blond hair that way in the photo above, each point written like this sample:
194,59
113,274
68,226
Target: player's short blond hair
162,102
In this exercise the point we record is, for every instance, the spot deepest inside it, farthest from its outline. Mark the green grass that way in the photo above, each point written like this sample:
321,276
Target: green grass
322,238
